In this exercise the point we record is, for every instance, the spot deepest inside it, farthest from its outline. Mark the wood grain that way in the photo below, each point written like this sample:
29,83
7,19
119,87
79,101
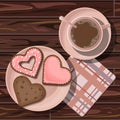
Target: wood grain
100,111
17,43
32,26
50,8
106,60
12,111
62,111
117,8
115,22
97,111
41,26
117,81
9,44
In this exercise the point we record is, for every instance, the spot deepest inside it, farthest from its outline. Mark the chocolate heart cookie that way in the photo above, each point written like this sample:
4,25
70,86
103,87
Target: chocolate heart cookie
26,92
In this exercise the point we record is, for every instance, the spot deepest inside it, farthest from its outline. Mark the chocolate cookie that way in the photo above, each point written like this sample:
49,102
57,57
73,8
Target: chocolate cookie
26,92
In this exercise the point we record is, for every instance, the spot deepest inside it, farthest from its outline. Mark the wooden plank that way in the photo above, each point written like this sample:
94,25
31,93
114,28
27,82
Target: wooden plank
16,43
11,111
31,26
117,8
62,111
115,83
115,22
41,26
111,61
115,44
50,8
99,112
111,95
2,77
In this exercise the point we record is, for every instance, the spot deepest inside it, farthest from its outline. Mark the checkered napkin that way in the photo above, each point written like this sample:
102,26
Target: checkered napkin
89,81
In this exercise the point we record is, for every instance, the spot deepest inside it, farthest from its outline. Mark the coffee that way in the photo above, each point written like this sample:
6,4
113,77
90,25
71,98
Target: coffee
85,34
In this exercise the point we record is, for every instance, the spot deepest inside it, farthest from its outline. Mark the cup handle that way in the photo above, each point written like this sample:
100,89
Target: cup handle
105,26
63,19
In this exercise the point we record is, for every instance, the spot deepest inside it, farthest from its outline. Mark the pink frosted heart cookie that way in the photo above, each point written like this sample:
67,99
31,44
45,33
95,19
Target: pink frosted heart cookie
17,61
54,73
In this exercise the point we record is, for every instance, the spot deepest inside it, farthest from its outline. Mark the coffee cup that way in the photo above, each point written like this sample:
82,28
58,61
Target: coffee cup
84,33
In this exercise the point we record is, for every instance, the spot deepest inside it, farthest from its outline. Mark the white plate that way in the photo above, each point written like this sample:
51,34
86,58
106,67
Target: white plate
54,94
63,34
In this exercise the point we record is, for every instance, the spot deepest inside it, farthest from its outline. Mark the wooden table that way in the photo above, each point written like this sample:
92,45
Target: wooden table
35,22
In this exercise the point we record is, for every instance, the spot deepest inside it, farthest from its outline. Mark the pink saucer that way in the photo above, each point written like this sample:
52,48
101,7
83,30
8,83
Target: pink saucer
84,11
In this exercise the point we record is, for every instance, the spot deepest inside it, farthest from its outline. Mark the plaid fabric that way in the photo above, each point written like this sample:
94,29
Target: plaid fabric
89,81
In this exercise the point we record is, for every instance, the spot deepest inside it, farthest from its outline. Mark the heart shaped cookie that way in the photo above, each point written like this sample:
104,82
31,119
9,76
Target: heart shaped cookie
54,73
30,53
26,92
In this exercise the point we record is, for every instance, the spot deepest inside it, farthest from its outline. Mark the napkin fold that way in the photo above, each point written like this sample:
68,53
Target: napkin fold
90,79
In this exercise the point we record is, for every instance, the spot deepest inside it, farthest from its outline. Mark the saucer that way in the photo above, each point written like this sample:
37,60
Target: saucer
55,94
84,11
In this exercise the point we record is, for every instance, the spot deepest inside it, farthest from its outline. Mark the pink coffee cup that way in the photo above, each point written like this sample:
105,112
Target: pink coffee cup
99,27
